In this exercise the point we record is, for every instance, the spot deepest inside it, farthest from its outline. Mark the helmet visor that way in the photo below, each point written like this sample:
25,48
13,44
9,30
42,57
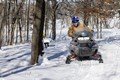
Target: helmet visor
76,21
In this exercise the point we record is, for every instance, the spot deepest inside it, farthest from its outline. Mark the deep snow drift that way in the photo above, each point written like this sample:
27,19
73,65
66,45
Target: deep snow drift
14,61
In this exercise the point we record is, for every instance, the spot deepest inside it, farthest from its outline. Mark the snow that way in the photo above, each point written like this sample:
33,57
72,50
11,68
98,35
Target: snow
45,40
14,61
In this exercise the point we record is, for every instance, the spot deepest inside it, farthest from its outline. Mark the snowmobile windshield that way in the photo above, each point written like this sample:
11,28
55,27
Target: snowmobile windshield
83,32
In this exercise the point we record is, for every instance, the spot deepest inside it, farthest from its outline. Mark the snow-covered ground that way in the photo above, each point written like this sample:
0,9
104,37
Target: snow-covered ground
14,61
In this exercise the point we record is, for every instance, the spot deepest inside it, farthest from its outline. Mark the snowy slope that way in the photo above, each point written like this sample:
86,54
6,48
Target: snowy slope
14,61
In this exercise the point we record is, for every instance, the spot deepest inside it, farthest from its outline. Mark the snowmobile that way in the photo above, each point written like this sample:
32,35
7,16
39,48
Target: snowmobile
83,47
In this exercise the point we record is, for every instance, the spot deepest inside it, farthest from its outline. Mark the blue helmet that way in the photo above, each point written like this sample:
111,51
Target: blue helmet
75,19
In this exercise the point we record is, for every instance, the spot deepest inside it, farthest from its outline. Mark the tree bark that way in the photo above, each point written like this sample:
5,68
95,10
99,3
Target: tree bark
47,12
54,27
20,30
3,23
97,26
14,20
28,21
37,36
101,23
54,20
8,20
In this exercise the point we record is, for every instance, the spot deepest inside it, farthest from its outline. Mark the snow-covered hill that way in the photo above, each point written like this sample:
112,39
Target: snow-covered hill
14,61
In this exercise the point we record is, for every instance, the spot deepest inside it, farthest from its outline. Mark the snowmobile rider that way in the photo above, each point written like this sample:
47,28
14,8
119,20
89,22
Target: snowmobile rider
75,24
73,28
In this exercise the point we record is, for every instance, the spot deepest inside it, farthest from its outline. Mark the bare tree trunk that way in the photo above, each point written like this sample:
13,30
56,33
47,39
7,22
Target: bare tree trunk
37,36
54,27
3,23
16,32
22,26
86,19
46,33
97,26
14,20
6,33
8,20
106,24
28,21
54,20
13,23
101,28
6,23
20,30
1,32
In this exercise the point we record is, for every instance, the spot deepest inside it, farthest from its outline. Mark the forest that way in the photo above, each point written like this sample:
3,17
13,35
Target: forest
35,43
18,18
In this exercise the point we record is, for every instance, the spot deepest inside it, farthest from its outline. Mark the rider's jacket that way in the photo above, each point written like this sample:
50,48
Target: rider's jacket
74,28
